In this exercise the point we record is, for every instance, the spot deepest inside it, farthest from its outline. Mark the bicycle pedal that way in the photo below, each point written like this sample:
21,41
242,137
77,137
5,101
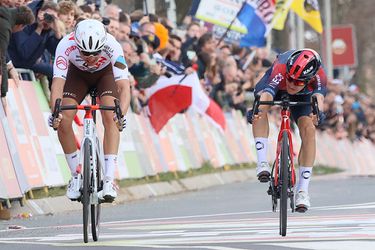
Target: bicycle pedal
301,209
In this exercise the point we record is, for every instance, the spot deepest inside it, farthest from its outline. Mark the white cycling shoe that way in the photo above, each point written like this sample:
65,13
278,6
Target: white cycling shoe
263,172
108,193
73,192
302,201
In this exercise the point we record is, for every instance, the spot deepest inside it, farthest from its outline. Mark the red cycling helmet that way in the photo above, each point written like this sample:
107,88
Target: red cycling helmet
302,65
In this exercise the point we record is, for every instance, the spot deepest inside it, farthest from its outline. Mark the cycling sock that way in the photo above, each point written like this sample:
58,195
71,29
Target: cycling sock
304,178
261,145
73,162
110,166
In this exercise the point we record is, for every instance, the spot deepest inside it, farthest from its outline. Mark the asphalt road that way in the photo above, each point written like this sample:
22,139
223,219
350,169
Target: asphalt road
230,217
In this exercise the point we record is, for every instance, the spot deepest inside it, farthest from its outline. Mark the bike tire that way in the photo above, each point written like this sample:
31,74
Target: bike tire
95,208
86,189
284,183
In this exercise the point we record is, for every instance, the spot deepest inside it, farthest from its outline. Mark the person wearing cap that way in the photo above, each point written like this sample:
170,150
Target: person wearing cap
300,75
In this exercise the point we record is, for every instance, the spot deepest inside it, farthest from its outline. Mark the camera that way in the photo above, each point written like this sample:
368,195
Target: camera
48,18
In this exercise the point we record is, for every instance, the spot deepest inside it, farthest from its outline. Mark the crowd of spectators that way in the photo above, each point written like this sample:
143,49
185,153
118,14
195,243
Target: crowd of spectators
154,46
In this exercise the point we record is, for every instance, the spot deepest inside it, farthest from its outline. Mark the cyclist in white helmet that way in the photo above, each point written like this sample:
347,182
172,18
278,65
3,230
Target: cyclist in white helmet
90,57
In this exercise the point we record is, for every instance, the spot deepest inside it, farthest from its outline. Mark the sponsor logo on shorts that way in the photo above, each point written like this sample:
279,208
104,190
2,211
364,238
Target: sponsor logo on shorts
61,63
107,92
69,94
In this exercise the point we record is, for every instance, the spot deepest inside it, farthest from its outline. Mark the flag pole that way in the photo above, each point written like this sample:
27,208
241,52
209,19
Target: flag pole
231,23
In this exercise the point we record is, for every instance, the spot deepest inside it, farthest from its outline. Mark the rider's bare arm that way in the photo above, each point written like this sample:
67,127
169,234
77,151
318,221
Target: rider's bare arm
124,90
263,109
56,90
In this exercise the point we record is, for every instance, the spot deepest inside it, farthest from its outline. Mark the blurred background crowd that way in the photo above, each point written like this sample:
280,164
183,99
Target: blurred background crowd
154,46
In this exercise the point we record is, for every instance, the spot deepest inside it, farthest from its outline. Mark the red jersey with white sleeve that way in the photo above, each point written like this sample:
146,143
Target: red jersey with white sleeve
67,52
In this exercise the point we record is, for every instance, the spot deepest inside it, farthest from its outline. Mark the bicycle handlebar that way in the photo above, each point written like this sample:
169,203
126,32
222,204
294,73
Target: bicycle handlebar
285,104
58,108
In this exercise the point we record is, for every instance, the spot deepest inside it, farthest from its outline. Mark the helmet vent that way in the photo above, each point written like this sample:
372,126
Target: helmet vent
296,70
83,44
97,44
90,42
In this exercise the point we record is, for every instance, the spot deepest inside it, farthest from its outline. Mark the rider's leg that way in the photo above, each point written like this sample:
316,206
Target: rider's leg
307,152
111,139
306,160
68,143
67,137
261,132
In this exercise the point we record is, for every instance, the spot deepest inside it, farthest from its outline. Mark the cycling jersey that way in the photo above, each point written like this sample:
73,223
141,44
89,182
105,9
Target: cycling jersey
274,79
68,52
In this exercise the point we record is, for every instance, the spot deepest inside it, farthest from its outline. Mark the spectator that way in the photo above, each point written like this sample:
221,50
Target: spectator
86,11
188,46
112,11
206,45
124,28
11,20
68,11
113,27
174,48
27,46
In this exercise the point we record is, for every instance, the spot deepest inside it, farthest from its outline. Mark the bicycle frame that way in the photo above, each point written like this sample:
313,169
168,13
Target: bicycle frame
90,134
92,160
285,126
283,189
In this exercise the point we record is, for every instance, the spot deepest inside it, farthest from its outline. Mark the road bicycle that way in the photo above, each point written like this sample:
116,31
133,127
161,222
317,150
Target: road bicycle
283,177
92,160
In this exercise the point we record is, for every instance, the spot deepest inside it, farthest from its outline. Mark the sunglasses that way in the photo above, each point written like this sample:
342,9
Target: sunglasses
85,53
296,82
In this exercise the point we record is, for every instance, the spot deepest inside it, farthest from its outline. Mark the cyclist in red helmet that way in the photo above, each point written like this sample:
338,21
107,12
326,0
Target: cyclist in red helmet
300,74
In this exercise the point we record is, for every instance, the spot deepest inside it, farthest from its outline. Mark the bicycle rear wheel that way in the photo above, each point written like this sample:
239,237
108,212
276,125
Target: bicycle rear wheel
86,189
284,182
95,208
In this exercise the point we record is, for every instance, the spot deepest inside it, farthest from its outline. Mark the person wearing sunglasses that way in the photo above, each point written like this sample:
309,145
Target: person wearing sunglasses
87,58
300,74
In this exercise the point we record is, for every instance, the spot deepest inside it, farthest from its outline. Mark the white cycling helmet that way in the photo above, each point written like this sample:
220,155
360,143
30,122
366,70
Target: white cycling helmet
90,35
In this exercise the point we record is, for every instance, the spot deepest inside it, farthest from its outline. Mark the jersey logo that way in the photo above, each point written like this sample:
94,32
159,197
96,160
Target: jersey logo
70,49
120,62
276,80
61,63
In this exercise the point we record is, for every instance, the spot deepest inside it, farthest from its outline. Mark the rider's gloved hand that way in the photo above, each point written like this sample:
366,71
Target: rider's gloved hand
54,122
322,117
120,123
249,116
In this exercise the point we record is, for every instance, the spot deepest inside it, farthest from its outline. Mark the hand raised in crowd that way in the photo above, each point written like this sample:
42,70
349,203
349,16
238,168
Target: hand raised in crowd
157,69
13,74
189,70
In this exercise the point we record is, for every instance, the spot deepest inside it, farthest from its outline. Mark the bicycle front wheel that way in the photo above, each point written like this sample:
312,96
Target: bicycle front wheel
284,182
95,208
86,188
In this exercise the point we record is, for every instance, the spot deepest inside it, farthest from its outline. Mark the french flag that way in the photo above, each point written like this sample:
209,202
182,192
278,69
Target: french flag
256,16
169,96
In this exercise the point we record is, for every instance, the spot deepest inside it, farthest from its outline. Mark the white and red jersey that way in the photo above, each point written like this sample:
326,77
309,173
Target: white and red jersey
68,52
